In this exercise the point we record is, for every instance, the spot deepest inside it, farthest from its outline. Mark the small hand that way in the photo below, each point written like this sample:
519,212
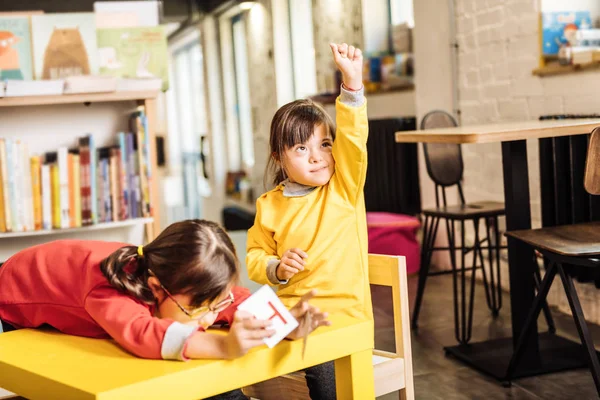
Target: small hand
292,262
300,310
349,60
245,333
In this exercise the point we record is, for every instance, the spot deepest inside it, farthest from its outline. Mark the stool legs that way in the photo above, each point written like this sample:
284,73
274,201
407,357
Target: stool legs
493,290
430,228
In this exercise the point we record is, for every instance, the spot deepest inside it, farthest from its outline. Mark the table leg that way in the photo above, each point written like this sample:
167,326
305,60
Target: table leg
546,352
354,377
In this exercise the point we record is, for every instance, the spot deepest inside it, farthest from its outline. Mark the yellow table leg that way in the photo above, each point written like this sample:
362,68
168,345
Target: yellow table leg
354,376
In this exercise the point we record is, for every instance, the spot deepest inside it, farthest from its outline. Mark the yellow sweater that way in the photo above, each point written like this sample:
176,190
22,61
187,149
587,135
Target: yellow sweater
329,224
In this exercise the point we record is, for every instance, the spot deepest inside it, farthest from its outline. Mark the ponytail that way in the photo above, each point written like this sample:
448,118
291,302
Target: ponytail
133,281
193,257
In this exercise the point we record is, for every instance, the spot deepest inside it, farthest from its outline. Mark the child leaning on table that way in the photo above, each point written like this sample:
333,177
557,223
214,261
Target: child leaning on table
156,301
310,232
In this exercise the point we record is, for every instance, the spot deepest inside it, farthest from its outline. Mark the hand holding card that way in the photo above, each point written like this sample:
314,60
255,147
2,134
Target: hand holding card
265,305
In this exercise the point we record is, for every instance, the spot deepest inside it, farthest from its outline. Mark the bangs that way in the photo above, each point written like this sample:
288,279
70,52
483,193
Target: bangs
300,125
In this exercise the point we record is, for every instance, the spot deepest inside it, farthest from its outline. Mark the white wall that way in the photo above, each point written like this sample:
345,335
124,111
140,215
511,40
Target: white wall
499,47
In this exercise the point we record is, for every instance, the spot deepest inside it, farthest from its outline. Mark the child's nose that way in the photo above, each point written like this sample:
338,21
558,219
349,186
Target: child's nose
315,157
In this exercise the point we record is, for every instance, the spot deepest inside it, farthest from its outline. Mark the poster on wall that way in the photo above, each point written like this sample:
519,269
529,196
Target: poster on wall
561,28
64,45
15,49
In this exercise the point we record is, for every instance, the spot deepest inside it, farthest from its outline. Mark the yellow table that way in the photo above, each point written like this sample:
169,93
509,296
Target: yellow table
41,364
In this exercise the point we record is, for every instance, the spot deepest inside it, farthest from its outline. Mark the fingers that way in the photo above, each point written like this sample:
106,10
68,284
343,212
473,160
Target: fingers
257,323
300,253
351,50
343,50
286,272
357,54
293,260
308,295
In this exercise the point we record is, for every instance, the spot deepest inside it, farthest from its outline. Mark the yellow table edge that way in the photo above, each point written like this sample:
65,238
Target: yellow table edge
49,365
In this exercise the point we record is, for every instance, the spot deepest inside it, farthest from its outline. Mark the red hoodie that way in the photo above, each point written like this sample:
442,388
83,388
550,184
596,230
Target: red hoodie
60,284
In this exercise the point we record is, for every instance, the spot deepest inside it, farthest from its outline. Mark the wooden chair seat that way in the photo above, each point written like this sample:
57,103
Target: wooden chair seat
392,371
468,211
578,240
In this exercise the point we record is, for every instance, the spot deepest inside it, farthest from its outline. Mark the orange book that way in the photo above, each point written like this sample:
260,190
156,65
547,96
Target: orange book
36,188
55,185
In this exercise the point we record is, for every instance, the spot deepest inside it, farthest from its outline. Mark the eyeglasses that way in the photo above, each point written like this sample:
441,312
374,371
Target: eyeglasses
200,312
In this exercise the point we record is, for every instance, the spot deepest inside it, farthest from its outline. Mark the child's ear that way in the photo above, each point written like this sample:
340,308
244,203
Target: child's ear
156,289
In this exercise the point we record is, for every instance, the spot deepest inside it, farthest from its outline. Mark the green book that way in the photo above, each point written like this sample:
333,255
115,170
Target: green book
137,52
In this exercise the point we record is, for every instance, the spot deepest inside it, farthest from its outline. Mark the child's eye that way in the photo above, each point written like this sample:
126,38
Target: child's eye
327,144
301,148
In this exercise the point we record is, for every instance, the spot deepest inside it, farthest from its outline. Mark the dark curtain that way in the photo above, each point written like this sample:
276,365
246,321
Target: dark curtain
392,183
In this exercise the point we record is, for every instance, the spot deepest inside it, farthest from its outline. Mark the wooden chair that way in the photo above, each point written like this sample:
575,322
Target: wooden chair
393,371
568,249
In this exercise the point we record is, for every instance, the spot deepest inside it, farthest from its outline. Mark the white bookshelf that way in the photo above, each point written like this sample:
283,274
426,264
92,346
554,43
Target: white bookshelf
96,227
46,123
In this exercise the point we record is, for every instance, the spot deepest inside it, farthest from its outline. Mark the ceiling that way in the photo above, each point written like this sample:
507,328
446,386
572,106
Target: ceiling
174,10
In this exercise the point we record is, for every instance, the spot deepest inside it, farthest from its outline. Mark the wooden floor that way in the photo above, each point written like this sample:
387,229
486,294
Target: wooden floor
441,377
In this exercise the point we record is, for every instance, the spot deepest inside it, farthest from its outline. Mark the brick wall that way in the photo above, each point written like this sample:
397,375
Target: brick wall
498,48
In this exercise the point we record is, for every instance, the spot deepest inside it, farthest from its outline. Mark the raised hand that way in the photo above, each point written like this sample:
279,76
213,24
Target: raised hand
349,60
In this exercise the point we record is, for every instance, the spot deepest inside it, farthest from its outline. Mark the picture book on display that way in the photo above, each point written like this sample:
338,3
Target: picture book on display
16,62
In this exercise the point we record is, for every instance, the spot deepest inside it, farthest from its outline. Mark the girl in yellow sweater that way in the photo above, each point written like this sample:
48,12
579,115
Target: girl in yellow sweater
310,232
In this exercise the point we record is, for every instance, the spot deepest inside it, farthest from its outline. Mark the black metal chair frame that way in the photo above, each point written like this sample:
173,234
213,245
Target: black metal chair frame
463,310
559,264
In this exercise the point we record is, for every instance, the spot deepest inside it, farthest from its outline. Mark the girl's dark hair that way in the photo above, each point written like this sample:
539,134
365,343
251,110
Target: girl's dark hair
293,123
192,257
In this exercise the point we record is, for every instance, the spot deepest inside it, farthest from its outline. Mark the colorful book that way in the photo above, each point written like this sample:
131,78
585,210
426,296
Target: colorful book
46,197
85,179
124,209
5,186
561,27
27,189
63,170
77,189
36,188
64,45
136,52
16,61
114,182
51,159
93,179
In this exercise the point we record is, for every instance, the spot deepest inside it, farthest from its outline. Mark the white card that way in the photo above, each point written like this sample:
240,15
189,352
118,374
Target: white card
264,304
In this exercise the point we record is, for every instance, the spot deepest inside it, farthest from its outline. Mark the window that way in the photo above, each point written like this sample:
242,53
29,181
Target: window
303,49
240,142
187,122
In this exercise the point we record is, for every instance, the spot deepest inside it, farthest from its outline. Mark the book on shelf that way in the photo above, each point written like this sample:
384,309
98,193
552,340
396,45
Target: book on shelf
126,14
16,61
16,88
64,45
138,52
90,84
64,187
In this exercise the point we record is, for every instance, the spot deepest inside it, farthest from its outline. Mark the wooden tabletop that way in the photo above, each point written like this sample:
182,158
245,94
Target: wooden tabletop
500,132
39,364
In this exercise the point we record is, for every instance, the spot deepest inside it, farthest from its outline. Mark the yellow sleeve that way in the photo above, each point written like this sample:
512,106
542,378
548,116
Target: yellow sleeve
261,257
350,148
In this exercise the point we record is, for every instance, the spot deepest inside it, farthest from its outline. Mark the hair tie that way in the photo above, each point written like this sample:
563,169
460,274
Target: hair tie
140,251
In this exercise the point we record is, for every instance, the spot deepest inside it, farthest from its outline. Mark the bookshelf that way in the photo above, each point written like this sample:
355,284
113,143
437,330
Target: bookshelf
46,122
